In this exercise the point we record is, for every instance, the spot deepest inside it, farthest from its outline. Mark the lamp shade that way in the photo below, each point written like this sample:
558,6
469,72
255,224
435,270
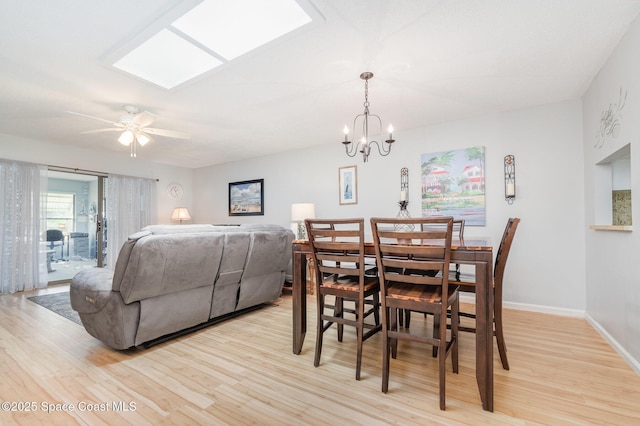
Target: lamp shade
302,211
180,213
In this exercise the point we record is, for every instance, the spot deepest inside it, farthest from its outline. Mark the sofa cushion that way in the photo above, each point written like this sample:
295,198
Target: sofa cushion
164,264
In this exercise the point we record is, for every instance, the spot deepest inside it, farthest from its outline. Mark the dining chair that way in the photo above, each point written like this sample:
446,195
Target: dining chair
425,249
458,232
338,252
467,284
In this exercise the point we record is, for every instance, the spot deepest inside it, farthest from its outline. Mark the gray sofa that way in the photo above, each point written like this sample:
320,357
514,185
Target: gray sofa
171,278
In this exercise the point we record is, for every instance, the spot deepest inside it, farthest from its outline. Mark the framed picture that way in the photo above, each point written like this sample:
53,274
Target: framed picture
246,198
348,185
453,185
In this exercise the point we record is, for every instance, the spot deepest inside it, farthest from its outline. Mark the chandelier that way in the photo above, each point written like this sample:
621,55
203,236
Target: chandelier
362,121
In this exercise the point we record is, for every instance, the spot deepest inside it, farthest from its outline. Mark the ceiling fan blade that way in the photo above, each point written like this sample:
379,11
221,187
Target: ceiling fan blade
95,118
143,119
111,129
167,133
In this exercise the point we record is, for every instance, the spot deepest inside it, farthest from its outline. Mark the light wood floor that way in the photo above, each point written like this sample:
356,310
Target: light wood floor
242,371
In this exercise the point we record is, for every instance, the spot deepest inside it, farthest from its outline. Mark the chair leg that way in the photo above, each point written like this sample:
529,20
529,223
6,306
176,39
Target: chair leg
319,329
386,350
442,363
407,318
396,313
339,312
436,332
359,332
376,307
455,309
502,347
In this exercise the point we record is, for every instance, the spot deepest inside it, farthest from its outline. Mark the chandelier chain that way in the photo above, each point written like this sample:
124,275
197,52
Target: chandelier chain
366,94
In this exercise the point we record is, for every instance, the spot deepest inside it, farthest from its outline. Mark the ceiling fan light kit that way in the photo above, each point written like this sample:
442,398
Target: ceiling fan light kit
126,138
133,126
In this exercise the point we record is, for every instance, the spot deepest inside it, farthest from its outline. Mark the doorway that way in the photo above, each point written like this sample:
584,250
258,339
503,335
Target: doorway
75,236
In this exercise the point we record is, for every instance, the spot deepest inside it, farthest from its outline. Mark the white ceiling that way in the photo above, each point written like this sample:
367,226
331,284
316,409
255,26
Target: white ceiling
434,61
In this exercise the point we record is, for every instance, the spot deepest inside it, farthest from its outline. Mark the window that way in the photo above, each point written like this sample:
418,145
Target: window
61,211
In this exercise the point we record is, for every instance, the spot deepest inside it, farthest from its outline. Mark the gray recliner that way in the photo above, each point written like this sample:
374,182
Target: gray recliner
169,278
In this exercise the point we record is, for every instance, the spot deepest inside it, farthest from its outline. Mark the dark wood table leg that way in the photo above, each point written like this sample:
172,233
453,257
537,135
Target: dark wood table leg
484,333
299,293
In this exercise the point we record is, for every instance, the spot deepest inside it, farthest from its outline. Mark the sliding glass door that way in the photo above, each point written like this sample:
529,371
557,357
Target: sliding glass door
75,234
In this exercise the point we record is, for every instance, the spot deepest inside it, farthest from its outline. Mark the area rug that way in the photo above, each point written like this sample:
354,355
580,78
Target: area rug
58,303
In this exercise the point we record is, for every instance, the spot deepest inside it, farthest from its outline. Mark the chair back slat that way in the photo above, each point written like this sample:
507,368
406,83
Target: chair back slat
337,247
407,256
458,227
334,245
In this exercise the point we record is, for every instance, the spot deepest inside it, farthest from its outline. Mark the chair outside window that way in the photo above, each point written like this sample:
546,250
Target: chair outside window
338,254
404,257
54,236
467,284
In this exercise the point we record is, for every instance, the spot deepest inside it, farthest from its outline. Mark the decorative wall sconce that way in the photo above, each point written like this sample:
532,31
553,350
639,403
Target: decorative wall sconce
509,178
404,200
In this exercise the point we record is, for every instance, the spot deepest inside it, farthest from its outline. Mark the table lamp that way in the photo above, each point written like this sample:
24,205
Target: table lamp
180,213
300,212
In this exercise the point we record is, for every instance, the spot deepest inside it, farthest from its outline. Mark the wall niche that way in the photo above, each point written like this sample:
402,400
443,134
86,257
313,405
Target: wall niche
613,191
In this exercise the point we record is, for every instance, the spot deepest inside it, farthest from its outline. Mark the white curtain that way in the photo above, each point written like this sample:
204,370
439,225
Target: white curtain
23,191
131,205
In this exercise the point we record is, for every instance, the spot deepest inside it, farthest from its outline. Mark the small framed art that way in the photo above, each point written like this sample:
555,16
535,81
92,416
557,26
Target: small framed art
246,198
348,185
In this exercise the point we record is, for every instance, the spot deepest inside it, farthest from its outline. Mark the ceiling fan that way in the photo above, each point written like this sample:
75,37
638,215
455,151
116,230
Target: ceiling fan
134,127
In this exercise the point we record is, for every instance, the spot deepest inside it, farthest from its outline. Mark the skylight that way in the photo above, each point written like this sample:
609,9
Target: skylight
231,27
167,60
212,33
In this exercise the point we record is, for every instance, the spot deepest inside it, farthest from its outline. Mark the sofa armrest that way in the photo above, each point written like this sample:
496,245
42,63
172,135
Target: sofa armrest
91,289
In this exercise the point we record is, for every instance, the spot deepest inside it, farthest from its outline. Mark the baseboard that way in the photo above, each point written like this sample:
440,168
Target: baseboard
576,313
565,312
629,359
471,298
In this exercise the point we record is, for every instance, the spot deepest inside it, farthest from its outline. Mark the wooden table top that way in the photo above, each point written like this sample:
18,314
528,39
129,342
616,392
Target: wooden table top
470,244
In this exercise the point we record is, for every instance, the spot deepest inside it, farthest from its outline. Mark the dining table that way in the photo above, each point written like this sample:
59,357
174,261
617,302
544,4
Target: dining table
476,251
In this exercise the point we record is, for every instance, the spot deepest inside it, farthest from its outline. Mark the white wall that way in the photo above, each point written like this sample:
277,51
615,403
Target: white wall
546,266
32,151
612,269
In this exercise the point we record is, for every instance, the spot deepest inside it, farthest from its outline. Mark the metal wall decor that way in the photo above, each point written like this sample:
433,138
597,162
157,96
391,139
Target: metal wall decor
509,178
404,200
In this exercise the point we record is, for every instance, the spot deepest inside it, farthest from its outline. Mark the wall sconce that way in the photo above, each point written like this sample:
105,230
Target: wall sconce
509,178
300,212
180,213
404,201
